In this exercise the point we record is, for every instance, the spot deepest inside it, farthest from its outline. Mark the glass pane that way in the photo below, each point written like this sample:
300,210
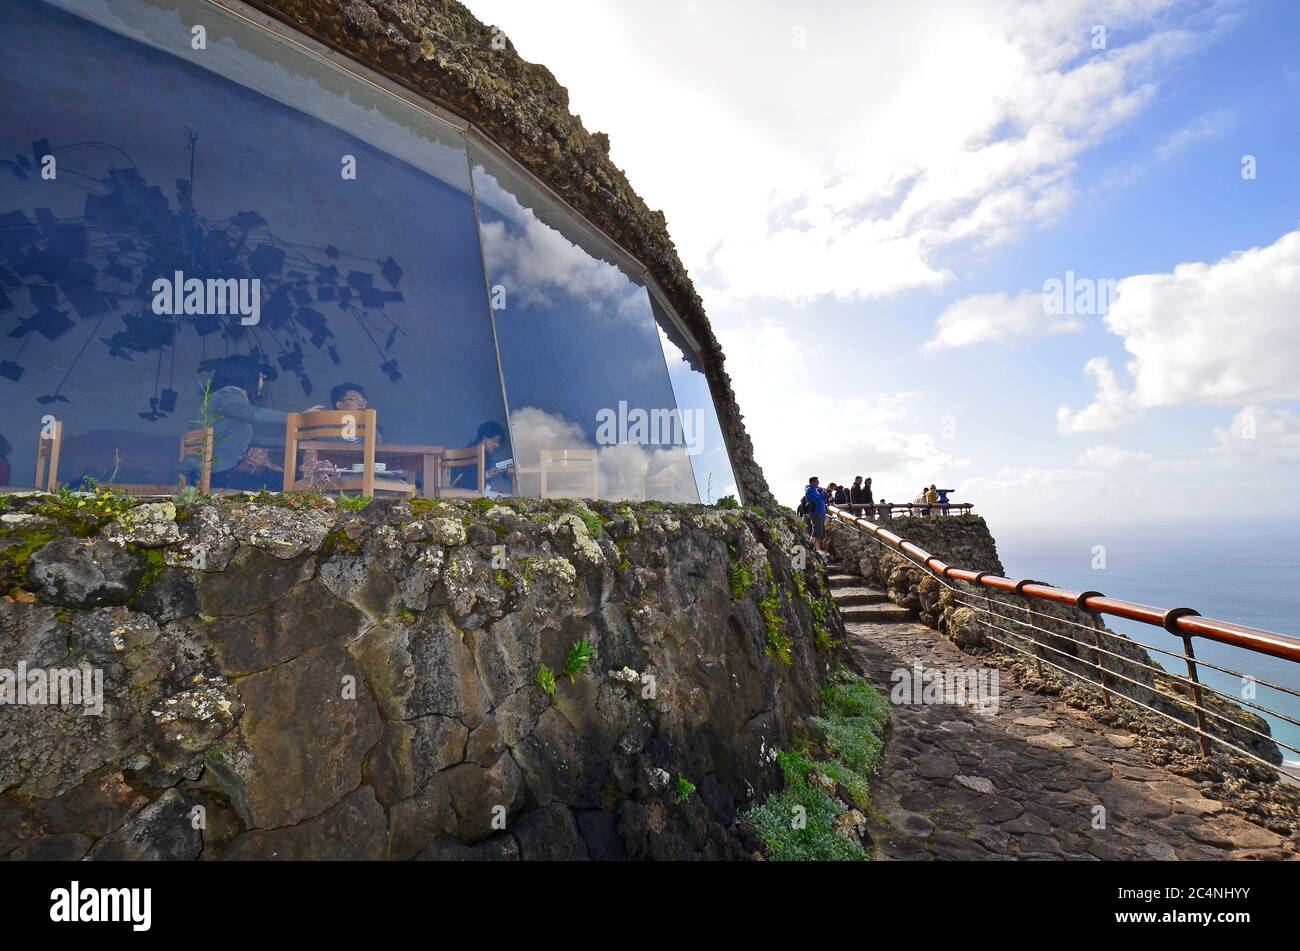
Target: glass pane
592,410
243,200
709,457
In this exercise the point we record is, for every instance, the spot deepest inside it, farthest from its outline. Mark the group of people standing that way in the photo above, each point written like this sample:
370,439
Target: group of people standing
813,507
857,497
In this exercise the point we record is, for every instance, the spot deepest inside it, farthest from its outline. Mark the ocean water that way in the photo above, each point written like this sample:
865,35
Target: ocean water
1246,573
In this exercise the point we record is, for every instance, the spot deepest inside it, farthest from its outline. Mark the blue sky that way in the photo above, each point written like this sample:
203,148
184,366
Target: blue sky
871,199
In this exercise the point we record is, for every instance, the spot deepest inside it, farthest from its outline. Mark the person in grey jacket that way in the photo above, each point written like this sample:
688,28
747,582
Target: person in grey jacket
238,425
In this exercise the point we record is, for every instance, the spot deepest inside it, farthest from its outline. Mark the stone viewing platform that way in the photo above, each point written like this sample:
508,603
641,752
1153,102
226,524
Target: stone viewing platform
1026,781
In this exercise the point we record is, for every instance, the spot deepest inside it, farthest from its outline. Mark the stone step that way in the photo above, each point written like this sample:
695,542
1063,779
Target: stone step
876,614
843,581
854,597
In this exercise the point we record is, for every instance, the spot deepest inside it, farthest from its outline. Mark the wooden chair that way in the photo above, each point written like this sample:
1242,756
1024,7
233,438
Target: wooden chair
198,442
334,424
475,456
47,458
567,462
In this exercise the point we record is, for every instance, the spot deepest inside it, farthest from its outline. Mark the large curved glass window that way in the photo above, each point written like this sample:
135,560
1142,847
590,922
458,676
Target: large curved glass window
592,409
708,450
335,221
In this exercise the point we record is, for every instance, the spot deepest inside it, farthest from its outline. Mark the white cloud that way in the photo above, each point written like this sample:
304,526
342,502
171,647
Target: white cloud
844,167
800,424
1223,333
1260,435
1109,457
1111,409
983,318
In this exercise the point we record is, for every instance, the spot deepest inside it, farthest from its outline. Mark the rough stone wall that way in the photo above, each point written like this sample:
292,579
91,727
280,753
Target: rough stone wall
439,50
965,542
333,683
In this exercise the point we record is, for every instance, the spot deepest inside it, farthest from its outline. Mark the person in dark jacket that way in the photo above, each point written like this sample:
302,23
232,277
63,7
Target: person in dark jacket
496,458
238,426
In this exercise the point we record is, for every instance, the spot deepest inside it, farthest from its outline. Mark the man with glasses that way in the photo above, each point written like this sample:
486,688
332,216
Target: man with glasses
351,397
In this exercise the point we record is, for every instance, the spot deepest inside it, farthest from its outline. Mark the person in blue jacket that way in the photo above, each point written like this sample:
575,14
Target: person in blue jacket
816,500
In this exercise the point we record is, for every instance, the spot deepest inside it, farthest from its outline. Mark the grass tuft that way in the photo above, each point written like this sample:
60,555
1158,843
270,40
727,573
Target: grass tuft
798,823
545,680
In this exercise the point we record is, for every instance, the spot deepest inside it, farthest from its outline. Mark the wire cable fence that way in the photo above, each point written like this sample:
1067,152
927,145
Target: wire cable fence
1010,616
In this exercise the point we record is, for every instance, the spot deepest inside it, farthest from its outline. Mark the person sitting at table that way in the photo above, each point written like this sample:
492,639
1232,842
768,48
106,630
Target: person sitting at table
243,434
352,396
493,437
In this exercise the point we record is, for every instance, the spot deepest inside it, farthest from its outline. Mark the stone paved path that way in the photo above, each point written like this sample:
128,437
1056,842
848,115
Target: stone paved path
1023,783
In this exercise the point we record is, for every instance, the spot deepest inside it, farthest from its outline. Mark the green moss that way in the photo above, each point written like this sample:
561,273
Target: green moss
822,639
15,559
595,524
154,563
422,507
83,514
353,503
684,789
338,540
224,748
484,505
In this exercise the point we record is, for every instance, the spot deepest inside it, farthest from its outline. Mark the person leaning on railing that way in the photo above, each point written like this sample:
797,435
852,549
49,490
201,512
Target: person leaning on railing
932,501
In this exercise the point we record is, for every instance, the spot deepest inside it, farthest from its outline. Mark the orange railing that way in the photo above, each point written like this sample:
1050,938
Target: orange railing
1181,622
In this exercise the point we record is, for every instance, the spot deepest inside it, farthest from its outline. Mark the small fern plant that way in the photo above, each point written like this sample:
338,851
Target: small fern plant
580,655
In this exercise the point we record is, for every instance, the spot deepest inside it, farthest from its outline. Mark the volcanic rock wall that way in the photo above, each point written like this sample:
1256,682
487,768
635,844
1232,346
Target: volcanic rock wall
347,682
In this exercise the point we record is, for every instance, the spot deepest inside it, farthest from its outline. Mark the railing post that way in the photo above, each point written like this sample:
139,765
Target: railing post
1020,592
1101,659
1196,695
1171,625
1081,602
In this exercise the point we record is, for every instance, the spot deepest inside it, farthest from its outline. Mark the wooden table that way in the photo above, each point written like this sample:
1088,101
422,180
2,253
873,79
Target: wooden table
427,456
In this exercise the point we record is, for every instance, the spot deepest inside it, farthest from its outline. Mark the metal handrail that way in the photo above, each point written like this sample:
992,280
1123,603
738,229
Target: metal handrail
910,508
1182,622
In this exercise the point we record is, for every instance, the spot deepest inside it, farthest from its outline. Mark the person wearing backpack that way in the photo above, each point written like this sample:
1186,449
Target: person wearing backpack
804,516
816,503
